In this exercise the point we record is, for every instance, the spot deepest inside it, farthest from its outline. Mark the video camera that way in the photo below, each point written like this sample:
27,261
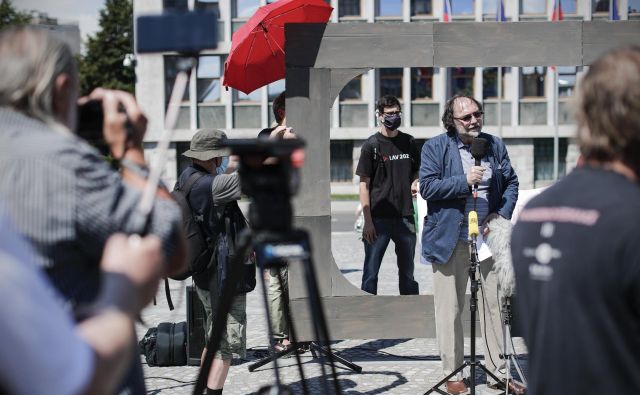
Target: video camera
269,173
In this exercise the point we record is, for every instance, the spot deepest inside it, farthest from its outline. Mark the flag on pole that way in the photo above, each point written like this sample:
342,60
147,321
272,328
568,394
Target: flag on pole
614,11
500,12
446,15
557,11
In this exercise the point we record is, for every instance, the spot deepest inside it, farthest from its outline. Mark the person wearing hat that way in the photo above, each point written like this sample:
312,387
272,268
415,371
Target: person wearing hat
208,191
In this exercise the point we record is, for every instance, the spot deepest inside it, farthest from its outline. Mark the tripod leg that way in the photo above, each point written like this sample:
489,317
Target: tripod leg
272,352
436,388
336,358
315,305
292,331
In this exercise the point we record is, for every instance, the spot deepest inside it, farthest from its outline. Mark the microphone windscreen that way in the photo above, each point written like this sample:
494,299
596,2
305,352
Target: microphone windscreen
479,147
473,224
499,242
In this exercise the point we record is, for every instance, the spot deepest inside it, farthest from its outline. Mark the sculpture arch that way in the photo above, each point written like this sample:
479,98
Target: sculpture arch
321,59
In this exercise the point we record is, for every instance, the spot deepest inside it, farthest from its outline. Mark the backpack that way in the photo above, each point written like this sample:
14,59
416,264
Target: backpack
231,223
165,345
199,252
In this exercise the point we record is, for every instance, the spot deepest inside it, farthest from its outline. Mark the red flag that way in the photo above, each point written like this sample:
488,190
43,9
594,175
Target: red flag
557,11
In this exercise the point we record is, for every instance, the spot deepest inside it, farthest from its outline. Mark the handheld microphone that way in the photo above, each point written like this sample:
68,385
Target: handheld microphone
474,231
479,148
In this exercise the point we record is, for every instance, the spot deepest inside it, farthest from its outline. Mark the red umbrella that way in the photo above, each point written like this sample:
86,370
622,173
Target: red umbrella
257,48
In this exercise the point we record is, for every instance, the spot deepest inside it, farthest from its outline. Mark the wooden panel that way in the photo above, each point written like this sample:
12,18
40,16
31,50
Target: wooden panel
602,36
507,44
358,45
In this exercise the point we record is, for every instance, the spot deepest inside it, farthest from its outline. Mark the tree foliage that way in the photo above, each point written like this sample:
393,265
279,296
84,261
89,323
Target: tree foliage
9,16
102,64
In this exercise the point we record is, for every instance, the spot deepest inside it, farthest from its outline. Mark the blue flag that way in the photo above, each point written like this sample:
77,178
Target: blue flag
500,12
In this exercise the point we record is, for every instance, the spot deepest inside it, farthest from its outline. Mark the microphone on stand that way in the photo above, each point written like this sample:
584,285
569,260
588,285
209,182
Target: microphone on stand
479,148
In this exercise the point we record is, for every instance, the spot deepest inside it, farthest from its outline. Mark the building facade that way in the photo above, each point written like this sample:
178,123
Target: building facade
526,95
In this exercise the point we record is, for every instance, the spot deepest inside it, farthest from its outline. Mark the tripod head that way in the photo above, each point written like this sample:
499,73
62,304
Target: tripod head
269,174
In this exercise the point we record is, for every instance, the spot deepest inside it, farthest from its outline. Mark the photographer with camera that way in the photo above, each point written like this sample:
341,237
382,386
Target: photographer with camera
211,198
62,195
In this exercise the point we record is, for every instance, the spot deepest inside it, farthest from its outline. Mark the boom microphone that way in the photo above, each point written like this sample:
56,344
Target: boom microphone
499,242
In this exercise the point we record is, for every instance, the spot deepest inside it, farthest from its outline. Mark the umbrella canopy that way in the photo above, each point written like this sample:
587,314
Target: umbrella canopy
257,48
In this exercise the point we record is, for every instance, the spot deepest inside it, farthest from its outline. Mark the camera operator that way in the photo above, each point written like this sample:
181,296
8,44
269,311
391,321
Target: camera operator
39,338
575,247
63,197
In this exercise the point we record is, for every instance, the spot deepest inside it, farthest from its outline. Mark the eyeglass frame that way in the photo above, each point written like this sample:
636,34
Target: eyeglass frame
476,114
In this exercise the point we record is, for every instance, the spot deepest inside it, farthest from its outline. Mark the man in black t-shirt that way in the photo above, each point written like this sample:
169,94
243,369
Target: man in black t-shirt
576,248
388,170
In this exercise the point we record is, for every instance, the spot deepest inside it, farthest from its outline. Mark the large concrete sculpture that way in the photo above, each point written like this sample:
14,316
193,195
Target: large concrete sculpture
322,59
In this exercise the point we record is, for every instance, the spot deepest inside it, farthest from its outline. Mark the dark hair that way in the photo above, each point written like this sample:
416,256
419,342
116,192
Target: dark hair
608,108
447,116
387,101
279,103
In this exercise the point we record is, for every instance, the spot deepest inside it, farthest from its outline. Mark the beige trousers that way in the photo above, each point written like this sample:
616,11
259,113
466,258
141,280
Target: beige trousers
449,288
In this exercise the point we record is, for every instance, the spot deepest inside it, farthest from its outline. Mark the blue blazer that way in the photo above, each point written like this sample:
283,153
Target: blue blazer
443,185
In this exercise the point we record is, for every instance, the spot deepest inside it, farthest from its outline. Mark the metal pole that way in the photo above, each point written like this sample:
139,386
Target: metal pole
500,102
555,123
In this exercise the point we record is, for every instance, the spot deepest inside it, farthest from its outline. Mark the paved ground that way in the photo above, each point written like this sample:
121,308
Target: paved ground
400,366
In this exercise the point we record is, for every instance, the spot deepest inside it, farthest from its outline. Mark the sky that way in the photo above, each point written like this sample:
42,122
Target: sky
83,12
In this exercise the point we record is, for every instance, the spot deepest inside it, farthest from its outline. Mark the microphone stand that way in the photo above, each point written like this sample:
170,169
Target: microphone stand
473,307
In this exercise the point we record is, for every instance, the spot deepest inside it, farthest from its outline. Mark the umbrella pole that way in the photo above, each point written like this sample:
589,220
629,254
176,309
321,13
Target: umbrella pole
185,66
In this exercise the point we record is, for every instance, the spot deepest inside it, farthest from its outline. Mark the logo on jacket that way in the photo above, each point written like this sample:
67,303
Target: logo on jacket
386,158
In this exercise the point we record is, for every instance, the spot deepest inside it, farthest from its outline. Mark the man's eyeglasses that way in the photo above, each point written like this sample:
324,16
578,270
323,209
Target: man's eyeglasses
467,118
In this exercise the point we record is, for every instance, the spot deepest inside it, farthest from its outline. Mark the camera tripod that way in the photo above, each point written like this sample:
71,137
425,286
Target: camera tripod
472,363
271,246
296,346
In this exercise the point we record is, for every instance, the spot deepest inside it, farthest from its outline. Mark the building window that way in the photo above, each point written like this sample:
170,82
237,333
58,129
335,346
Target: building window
251,97
543,158
175,5
462,80
421,83
245,8
601,6
533,6
533,81
566,80
389,8
274,89
349,8
170,74
208,6
490,83
463,7
421,7
353,90
570,6
634,6
341,164
391,82
208,78
182,162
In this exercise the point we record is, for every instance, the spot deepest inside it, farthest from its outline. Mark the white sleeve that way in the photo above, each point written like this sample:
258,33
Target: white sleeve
41,352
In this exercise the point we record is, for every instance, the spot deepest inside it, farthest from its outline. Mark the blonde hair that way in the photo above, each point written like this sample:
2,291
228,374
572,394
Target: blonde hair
30,61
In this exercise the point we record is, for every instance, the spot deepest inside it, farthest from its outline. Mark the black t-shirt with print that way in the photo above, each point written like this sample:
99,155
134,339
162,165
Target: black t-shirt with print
576,255
392,164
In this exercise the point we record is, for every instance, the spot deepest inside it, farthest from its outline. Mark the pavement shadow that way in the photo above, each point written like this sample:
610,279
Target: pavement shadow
347,271
347,385
188,385
373,350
